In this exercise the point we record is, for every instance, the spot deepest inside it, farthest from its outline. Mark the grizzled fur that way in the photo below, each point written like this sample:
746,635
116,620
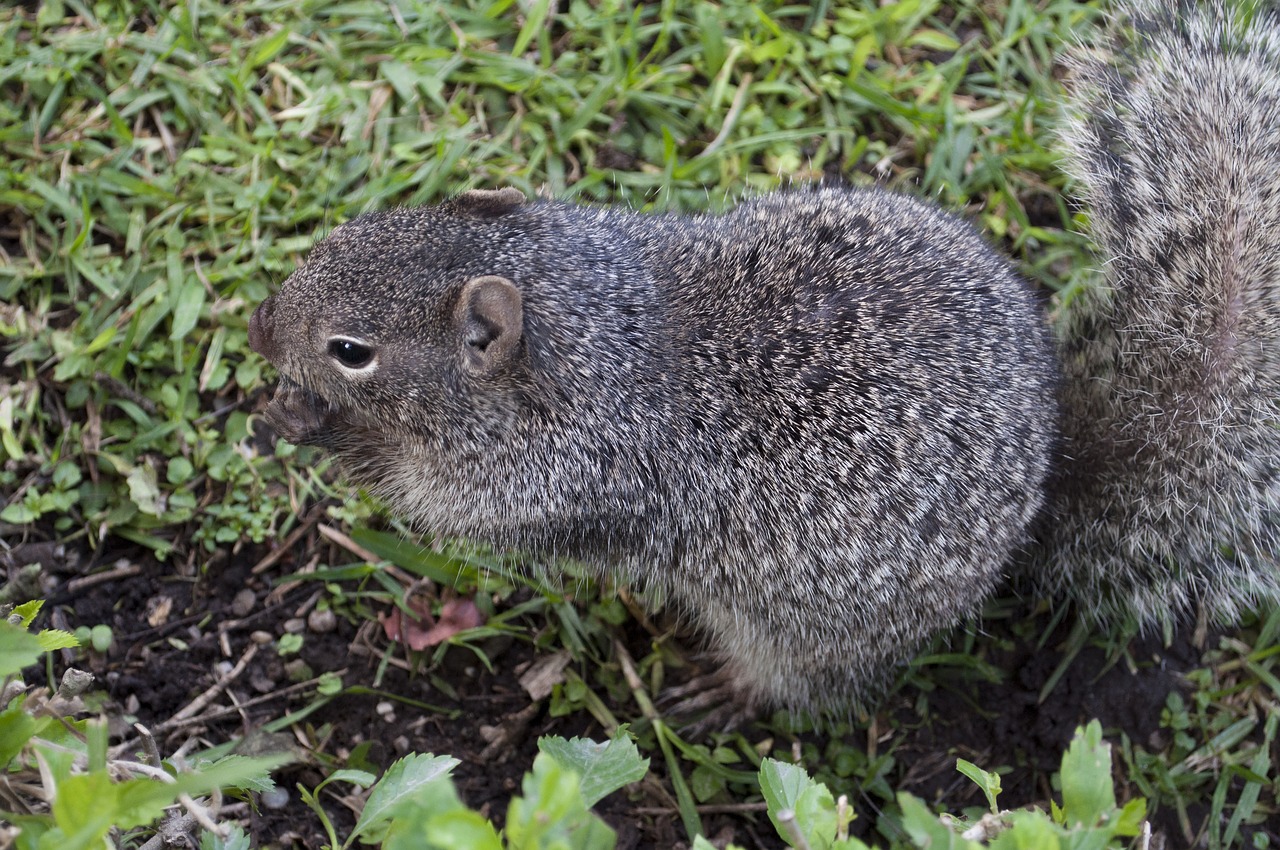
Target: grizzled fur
1173,369
822,421
825,421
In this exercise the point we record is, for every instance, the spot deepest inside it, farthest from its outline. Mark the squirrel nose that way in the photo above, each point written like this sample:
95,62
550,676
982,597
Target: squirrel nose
262,329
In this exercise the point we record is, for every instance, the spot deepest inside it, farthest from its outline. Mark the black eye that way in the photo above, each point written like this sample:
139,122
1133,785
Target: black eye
350,353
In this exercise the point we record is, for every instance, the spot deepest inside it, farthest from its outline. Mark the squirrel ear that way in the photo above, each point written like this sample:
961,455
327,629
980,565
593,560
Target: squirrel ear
488,203
490,317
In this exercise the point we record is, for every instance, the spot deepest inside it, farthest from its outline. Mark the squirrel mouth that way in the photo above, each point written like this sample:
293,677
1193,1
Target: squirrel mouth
299,415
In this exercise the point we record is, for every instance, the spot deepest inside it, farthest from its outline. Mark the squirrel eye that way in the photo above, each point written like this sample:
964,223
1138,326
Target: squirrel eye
350,353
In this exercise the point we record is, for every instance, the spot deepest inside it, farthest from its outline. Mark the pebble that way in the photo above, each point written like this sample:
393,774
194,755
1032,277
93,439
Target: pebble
298,670
294,626
276,798
243,603
261,638
322,620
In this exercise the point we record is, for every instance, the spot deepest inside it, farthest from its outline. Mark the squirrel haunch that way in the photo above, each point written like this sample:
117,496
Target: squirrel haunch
822,421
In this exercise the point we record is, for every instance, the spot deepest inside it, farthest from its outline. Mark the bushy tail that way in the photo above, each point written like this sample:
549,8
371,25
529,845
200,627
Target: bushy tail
1171,495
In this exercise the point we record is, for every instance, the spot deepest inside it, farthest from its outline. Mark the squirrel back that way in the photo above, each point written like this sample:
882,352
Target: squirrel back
821,422
1171,495
826,421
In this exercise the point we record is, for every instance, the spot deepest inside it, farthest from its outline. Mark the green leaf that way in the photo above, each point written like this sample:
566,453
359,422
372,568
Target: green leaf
179,470
1131,817
1087,791
414,557
51,639
16,729
933,39
27,611
236,840
1028,830
140,801
926,830
462,829
359,778
987,781
788,787
602,768
18,649
88,805
267,49
537,14
552,812
144,489
403,780
186,310
18,513
425,820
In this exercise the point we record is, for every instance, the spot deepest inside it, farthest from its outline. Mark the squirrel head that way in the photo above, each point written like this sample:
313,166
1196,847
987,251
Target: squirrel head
424,345
388,314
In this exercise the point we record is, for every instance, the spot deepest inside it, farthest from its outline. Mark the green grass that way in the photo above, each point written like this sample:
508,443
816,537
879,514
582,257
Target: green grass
165,165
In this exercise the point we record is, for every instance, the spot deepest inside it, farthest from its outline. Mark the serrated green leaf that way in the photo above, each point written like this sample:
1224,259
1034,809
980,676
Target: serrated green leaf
27,611
1131,817
410,820
1087,790
140,801
816,816
403,780
551,812
788,787
51,639
602,768
782,783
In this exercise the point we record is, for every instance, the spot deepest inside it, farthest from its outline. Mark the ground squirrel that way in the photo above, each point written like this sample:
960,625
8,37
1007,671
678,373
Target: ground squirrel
828,421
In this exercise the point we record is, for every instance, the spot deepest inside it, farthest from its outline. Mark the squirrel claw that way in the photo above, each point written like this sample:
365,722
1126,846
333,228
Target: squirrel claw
712,702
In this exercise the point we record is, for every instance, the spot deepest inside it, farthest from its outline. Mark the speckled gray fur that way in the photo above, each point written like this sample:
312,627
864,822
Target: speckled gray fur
1173,367
826,421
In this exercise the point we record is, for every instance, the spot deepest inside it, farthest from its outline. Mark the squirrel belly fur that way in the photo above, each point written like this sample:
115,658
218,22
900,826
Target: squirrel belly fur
828,422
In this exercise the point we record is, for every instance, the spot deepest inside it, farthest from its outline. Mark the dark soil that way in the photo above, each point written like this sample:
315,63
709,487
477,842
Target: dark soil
176,634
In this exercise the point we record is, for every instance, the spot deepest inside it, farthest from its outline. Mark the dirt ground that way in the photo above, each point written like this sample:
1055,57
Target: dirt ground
176,636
